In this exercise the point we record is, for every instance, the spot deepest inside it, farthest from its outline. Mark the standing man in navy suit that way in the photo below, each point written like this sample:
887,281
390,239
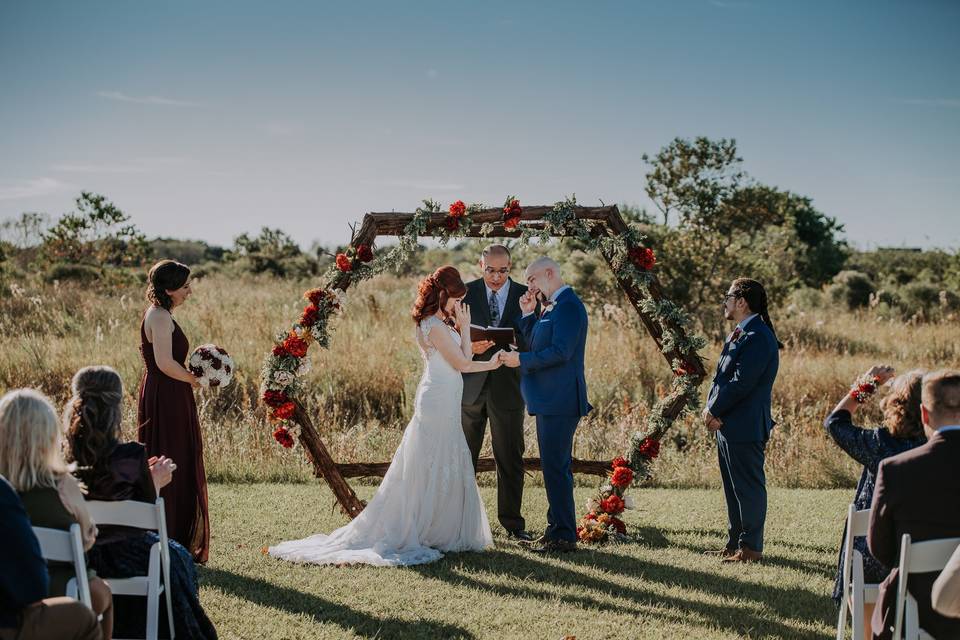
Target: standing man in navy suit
738,412
554,388
494,300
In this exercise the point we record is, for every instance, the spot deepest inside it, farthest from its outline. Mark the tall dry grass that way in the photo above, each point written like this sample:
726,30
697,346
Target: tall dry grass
361,389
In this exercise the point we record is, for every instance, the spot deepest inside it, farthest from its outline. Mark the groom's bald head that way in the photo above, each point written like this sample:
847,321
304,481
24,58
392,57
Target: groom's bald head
543,274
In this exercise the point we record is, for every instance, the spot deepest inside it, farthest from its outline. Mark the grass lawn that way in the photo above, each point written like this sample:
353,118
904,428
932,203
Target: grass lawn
659,587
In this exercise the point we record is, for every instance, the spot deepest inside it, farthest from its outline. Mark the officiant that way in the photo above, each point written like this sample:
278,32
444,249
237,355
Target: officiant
495,395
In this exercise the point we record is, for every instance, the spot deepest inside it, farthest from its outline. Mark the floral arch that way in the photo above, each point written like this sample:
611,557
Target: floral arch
601,228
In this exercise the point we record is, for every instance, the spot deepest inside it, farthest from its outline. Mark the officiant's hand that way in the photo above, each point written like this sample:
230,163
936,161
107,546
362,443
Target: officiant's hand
528,302
509,358
712,422
481,346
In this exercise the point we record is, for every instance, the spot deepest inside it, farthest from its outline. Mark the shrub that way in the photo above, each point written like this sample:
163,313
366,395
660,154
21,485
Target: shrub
852,288
65,271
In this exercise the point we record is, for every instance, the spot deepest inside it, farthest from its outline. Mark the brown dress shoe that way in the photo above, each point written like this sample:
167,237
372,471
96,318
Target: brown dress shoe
726,552
744,554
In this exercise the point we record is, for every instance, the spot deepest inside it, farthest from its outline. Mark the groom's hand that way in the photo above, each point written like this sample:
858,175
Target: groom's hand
510,358
528,302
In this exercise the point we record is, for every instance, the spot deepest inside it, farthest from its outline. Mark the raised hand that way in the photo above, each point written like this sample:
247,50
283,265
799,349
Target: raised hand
882,372
528,302
461,313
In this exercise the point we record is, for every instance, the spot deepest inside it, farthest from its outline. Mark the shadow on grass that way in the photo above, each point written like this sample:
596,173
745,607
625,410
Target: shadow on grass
324,611
759,609
659,538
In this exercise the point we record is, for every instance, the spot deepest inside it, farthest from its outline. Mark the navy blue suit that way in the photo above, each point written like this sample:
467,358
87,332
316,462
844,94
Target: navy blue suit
555,391
740,398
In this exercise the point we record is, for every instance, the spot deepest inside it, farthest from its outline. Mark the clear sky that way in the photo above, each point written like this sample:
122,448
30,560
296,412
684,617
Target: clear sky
208,119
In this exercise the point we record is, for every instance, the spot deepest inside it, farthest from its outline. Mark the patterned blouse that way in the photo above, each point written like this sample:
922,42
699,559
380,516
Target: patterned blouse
868,447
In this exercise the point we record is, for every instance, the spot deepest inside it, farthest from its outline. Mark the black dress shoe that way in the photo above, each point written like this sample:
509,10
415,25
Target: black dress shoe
554,546
520,535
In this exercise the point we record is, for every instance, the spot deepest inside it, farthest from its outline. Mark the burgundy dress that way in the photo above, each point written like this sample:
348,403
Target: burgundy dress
169,426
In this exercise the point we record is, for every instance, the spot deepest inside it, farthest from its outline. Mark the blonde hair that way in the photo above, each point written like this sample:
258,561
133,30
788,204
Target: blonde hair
30,436
901,407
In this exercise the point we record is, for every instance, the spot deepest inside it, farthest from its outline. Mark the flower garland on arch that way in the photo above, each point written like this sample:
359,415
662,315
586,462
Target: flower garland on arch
632,262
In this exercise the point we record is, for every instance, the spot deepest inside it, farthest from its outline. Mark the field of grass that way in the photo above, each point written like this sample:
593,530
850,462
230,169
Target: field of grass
361,389
659,587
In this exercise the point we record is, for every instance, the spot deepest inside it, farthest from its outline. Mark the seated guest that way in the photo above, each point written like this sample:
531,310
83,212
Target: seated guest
112,470
901,431
26,612
946,588
916,493
31,461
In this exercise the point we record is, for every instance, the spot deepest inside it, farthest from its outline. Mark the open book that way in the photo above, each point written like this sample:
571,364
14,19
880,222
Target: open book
502,336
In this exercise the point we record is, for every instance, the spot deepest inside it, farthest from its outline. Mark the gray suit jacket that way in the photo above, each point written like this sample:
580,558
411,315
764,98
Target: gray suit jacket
504,382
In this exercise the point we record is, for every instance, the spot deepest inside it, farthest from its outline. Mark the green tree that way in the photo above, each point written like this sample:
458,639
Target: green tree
96,234
273,252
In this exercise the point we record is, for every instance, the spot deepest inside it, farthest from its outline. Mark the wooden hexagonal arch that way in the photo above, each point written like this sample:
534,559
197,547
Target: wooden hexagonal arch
489,223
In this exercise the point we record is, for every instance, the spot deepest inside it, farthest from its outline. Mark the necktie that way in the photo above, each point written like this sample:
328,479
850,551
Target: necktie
494,309
736,334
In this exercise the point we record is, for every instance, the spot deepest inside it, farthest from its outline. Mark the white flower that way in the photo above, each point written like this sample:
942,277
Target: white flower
606,489
339,297
283,378
317,331
304,367
593,504
628,502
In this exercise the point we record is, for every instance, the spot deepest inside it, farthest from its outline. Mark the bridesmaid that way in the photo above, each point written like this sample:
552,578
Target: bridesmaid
167,412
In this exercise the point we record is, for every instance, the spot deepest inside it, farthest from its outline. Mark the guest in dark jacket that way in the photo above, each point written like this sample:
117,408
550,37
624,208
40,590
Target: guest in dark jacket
917,493
113,470
901,431
26,613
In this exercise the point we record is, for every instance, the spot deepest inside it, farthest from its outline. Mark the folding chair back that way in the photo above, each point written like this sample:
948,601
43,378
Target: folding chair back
917,557
855,592
67,546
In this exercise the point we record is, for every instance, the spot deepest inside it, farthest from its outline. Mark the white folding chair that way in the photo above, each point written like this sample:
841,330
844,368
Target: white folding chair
142,515
917,557
67,546
855,592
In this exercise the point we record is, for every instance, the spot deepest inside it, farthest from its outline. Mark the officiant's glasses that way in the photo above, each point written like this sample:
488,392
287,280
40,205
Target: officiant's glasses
490,271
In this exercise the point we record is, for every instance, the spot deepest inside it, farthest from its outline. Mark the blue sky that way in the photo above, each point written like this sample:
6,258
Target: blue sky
208,119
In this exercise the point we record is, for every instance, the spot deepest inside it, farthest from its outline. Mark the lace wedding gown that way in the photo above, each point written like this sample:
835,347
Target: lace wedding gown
428,501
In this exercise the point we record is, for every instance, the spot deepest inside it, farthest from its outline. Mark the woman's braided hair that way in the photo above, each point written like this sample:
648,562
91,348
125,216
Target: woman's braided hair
756,297
92,418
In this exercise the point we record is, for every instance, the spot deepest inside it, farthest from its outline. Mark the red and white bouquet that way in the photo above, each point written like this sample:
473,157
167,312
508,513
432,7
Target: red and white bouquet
212,365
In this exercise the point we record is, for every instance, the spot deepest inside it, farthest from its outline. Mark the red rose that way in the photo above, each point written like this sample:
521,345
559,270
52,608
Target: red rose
458,209
226,368
365,253
310,315
284,411
612,505
643,257
866,387
451,223
590,516
216,364
621,477
649,448
204,354
511,214
315,296
214,382
619,461
280,350
274,399
197,371
619,525
343,263
295,346
283,436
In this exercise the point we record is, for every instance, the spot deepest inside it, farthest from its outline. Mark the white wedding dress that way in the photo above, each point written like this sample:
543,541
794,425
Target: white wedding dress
428,501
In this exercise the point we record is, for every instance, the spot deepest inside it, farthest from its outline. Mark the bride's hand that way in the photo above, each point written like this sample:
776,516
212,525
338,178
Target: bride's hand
497,359
461,313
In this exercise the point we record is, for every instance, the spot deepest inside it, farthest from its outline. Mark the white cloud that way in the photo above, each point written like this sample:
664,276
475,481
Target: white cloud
155,100
31,188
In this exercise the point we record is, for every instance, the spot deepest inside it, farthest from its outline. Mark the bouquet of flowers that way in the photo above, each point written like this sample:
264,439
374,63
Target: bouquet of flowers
212,365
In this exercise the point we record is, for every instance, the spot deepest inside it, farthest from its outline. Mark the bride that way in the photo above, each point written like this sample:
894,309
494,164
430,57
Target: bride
428,501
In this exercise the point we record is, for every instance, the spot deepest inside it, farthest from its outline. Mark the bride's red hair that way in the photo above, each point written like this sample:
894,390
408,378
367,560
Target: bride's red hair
435,290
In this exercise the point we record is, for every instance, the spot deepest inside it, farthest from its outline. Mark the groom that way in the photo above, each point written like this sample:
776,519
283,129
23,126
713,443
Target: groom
554,389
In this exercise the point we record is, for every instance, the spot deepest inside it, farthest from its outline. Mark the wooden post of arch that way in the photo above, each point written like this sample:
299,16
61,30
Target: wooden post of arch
608,221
